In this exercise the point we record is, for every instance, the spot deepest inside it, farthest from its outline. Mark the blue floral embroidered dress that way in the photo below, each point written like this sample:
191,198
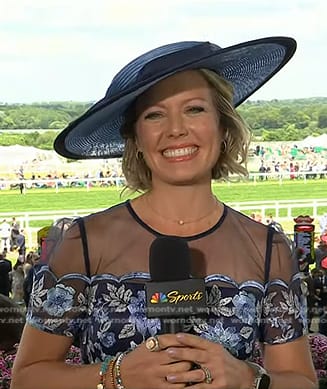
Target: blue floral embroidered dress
105,311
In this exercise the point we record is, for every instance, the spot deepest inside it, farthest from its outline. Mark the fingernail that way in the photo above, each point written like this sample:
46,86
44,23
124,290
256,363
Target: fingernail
171,352
171,378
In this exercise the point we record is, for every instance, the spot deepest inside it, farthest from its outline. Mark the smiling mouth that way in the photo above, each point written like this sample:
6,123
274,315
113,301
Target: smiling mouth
182,152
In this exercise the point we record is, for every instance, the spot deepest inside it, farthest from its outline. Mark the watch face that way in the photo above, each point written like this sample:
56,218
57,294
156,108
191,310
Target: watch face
264,382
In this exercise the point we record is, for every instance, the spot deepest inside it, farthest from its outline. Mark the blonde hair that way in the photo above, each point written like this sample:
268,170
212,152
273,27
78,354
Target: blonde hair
233,157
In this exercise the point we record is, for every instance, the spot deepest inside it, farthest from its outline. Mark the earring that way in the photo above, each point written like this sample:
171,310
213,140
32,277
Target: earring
223,146
139,155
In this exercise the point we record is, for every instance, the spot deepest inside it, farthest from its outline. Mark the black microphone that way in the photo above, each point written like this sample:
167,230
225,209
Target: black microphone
172,294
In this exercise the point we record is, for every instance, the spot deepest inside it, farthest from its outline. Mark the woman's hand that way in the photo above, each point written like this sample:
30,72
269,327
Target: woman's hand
145,369
220,370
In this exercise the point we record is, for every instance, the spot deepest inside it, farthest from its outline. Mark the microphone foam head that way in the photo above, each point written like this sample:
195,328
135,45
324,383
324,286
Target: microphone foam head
169,259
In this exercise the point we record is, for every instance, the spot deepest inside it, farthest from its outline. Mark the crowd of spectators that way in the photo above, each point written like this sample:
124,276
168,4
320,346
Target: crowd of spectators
102,177
292,160
276,159
108,177
12,237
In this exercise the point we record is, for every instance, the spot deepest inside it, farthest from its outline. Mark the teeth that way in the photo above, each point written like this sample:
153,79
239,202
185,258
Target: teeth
170,153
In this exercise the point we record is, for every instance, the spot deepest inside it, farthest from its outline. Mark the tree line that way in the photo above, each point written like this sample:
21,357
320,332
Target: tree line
275,120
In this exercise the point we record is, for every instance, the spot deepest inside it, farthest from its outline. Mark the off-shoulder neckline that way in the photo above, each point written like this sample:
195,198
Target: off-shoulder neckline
144,276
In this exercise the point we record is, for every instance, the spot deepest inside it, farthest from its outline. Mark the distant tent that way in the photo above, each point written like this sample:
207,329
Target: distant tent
315,141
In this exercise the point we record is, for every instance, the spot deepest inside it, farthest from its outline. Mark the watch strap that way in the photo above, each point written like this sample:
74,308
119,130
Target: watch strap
259,372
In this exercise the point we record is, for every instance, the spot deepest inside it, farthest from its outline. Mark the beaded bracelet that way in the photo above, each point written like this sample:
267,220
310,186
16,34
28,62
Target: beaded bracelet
118,383
103,371
111,372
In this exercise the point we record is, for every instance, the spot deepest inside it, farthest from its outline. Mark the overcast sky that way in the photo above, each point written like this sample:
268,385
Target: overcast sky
63,50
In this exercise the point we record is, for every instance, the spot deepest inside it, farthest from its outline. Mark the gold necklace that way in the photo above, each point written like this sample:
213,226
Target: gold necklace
182,222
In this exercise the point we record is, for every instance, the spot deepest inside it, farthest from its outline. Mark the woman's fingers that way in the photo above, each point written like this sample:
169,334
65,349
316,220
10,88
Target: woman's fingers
161,342
187,354
178,367
168,360
196,375
195,341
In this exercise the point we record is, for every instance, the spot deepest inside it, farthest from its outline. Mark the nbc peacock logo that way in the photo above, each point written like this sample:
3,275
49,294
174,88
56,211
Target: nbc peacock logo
158,298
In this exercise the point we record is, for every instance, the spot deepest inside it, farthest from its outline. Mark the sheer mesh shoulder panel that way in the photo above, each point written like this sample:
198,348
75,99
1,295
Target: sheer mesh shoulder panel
284,306
235,249
58,301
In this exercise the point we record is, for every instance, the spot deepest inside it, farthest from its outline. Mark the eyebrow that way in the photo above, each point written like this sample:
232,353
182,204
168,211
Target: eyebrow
203,99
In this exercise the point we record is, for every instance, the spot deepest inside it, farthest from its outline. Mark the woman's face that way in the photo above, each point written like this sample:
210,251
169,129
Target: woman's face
178,129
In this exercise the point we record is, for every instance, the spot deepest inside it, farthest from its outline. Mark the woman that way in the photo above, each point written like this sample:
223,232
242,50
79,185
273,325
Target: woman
17,280
172,113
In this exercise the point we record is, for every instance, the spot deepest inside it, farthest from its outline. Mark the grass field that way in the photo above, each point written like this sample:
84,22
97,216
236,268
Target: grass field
79,198
97,198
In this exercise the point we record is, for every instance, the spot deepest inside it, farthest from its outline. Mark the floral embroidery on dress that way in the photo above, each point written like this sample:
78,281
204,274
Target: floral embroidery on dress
218,305
241,309
283,308
59,300
107,314
138,316
245,307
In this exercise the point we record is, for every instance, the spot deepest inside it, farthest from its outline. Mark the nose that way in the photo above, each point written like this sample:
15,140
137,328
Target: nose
176,126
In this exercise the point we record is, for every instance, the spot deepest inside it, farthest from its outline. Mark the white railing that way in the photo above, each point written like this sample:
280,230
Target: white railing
263,207
25,218
317,208
275,207
48,217
58,183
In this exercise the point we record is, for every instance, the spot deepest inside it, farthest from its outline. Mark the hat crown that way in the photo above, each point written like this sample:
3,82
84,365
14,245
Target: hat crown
151,64
246,66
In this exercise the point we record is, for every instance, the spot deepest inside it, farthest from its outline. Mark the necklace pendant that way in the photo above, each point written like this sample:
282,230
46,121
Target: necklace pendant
180,222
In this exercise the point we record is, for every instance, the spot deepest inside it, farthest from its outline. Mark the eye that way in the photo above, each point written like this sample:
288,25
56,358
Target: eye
154,115
195,109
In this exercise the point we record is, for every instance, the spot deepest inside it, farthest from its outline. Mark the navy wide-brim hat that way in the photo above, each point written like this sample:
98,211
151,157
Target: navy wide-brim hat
247,66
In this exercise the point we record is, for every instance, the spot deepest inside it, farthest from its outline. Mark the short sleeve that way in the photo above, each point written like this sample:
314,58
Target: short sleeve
284,305
59,297
58,305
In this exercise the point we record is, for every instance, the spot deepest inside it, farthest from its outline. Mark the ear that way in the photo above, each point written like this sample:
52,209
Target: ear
137,145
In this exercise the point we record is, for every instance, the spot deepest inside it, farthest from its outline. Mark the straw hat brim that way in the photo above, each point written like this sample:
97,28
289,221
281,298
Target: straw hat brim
247,66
